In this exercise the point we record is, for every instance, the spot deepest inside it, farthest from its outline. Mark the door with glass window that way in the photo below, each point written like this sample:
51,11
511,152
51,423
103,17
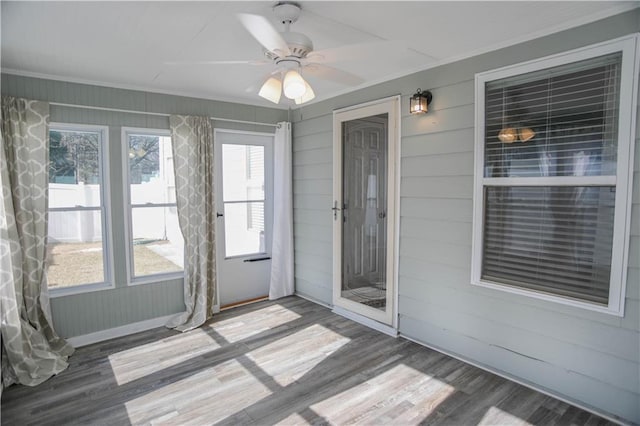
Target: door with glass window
244,187
364,210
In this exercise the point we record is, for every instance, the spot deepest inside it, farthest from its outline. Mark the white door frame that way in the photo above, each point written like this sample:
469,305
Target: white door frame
390,106
220,232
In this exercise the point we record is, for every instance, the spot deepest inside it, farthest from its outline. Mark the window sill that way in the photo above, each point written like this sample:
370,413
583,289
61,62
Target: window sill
247,256
156,278
79,289
610,310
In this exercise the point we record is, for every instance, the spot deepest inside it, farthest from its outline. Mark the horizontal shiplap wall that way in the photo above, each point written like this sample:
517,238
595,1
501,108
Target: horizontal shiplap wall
583,356
84,313
312,202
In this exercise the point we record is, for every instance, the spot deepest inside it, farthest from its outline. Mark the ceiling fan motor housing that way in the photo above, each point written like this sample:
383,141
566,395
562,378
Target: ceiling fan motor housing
299,44
287,11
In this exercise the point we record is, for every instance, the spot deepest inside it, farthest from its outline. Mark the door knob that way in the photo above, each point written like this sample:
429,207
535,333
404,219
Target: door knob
219,214
335,209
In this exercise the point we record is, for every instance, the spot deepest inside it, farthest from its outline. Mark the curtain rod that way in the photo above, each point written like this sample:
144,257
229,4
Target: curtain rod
159,114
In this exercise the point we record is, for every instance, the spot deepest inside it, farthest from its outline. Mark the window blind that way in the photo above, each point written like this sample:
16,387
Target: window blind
554,239
572,109
255,187
551,239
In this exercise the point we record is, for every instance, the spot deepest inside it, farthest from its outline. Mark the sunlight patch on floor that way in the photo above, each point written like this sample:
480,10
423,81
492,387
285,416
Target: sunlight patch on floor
144,360
399,395
240,327
291,357
494,416
293,419
206,397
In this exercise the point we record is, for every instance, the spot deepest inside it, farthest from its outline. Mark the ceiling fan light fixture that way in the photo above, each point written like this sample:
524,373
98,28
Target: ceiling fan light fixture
308,95
294,85
271,90
508,135
526,134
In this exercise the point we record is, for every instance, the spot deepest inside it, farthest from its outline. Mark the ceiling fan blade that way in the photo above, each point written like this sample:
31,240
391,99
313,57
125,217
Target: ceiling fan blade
326,72
262,30
351,52
261,62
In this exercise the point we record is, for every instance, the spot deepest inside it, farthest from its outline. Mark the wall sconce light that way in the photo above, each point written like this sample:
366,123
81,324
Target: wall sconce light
419,103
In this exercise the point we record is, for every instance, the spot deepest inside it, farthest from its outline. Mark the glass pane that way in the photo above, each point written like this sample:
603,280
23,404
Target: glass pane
151,174
364,191
242,172
75,248
244,229
552,239
158,246
560,121
74,169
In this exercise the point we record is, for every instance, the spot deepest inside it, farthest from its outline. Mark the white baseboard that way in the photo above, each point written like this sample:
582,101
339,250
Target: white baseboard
311,299
124,330
368,322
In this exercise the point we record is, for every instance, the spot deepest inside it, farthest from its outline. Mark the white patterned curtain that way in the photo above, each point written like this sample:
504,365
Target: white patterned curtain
31,350
281,283
192,142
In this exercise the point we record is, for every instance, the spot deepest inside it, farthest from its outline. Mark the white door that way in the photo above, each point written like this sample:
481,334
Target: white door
244,188
364,231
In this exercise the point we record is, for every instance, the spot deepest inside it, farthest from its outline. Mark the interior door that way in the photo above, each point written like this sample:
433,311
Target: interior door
364,208
244,188
365,145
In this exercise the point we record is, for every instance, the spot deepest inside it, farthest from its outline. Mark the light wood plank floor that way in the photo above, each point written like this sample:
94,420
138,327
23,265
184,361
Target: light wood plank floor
290,362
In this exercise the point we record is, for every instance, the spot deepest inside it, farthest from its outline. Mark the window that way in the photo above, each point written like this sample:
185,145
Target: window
156,245
77,246
243,193
553,162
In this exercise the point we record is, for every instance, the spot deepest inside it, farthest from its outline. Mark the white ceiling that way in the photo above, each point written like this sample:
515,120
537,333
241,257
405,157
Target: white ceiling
127,44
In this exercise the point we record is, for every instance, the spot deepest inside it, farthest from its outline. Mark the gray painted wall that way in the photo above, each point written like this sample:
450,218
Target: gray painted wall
84,313
586,357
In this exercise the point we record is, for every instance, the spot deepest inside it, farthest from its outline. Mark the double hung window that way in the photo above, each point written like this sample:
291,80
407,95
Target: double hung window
78,252
553,166
155,245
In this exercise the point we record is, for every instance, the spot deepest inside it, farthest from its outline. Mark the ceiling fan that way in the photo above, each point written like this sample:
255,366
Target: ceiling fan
293,55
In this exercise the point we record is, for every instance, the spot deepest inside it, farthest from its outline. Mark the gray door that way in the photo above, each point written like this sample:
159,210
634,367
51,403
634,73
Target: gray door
364,204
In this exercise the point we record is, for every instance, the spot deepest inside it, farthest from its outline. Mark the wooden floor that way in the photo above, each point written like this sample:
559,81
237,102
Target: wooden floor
291,362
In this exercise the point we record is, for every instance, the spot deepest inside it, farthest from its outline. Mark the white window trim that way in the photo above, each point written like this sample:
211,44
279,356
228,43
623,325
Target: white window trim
128,222
623,180
105,193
